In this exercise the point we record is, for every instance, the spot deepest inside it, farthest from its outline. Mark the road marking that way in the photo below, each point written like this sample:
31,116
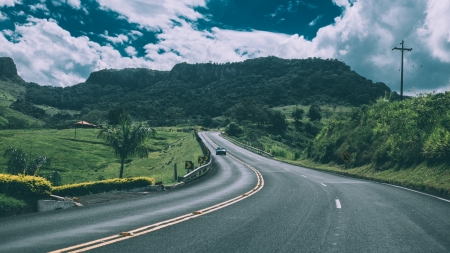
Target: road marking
304,176
323,184
396,186
338,204
150,228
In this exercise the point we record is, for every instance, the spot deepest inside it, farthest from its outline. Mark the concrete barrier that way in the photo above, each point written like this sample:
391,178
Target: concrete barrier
49,205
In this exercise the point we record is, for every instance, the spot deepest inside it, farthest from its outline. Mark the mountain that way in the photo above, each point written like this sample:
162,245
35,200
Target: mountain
11,84
209,89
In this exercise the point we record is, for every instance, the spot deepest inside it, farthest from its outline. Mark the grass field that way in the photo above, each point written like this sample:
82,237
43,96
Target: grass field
86,158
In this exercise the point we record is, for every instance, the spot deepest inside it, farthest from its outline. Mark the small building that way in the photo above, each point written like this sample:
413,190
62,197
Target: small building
84,124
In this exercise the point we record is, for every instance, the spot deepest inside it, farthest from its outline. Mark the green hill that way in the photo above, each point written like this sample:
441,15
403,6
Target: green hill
195,91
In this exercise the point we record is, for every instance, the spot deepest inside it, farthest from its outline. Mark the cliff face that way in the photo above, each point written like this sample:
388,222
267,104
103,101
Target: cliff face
130,77
7,67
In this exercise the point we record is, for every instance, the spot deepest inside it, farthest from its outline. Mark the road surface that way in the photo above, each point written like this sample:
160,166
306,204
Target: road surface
294,210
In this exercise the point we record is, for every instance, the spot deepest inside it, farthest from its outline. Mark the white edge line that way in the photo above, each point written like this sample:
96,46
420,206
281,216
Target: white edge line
338,204
404,188
323,184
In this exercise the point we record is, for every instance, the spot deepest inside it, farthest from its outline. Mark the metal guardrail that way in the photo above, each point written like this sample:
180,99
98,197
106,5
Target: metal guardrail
202,170
198,172
253,149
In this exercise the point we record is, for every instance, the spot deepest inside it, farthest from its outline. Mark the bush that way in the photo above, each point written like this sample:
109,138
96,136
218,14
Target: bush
102,186
10,205
24,186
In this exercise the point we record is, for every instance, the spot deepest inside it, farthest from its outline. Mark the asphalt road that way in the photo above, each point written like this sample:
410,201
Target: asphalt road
297,210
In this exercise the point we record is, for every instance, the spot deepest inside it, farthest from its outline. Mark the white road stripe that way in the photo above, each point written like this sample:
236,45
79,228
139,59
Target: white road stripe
323,184
338,204
304,176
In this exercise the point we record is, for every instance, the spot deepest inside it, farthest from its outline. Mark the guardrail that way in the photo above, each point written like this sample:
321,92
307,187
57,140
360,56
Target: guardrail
253,149
202,170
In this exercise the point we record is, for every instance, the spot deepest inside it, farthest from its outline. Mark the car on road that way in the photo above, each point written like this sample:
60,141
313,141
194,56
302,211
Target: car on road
221,151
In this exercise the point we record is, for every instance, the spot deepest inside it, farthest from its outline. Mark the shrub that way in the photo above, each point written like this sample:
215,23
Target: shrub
102,186
10,205
24,186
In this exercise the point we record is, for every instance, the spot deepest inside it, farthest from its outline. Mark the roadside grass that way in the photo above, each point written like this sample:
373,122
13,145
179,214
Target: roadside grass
86,158
11,206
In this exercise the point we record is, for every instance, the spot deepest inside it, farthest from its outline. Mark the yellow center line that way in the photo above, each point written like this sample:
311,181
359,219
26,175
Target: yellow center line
150,228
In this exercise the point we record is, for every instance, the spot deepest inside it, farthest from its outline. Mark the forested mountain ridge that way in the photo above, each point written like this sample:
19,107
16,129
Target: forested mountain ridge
210,89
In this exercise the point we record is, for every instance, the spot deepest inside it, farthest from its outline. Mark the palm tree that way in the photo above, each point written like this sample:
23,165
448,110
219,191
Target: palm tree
127,139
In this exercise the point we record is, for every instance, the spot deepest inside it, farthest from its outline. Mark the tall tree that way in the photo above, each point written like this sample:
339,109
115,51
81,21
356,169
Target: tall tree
314,112
127,139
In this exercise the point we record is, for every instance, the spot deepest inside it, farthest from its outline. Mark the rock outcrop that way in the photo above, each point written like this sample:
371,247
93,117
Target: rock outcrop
7,67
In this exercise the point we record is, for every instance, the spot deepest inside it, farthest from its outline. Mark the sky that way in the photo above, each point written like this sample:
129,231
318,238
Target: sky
60,42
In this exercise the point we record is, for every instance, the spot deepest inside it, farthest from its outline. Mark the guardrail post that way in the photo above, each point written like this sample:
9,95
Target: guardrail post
175,174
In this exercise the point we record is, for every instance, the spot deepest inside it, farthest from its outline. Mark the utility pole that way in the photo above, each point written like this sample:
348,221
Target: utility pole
401,75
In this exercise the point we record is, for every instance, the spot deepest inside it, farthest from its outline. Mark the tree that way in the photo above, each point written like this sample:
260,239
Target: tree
18,162
298,114
314,112
278,122
234,129
127,139
114,115
55,178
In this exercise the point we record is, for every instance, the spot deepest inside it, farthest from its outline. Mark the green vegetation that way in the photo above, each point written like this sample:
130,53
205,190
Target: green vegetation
389,134
11,206
18,162
26,186
196,93
127,139
405,142
87,158
102,186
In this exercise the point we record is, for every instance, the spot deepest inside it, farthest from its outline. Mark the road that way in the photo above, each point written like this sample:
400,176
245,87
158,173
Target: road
296,210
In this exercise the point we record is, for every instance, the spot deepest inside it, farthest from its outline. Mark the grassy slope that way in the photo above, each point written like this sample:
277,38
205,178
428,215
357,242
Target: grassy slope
86,158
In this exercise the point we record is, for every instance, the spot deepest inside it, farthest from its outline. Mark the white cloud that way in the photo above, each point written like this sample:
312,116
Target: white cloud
154,14
9,2
314,22
362,37
435,31
119,39
39,6
131,51
49,55
75,3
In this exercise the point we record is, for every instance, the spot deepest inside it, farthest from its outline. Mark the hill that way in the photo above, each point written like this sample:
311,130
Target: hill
198,91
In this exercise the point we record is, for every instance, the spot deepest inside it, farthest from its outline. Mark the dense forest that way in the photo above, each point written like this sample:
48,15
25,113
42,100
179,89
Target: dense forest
197,92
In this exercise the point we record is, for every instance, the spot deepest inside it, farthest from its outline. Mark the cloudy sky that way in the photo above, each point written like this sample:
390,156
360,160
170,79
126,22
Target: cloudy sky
60,42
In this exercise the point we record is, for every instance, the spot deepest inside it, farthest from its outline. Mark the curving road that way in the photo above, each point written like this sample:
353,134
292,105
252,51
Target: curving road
296,210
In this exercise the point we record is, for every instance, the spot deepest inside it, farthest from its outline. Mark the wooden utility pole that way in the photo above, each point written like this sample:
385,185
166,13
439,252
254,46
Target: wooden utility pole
401,75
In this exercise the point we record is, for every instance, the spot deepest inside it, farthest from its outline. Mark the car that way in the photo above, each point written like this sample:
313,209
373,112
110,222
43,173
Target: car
221,151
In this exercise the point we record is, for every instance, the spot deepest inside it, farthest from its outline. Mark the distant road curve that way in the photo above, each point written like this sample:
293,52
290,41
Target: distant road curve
297,210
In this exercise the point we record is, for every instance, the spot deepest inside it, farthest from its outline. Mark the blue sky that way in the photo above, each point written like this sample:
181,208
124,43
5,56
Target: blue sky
60,42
